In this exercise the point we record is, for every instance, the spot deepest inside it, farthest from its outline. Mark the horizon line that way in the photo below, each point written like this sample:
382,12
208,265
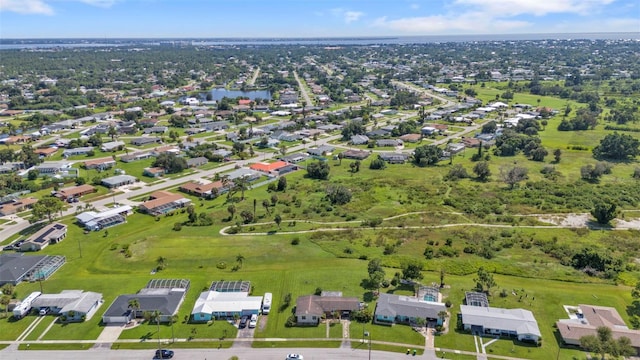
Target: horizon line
637,34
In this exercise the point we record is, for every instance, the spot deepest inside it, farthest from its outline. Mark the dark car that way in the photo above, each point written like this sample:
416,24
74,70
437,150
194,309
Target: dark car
163,354
243,322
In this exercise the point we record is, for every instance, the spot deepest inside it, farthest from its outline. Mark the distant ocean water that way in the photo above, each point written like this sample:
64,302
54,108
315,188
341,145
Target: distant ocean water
329,41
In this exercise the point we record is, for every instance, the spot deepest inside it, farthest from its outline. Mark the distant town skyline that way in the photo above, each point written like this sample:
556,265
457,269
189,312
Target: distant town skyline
310,18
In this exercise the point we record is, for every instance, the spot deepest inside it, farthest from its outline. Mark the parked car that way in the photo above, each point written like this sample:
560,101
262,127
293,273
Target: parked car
294,357
163,354
243,322
253,321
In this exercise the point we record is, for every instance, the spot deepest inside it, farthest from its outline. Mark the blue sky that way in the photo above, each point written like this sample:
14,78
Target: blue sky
310,18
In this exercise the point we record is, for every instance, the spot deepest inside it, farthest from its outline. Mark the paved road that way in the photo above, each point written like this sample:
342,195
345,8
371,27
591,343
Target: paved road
303,90
211,354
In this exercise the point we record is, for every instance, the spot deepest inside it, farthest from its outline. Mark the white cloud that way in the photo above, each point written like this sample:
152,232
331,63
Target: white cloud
351,16
26,7
534,7
490,16
43,6
347,15
471,22
99,3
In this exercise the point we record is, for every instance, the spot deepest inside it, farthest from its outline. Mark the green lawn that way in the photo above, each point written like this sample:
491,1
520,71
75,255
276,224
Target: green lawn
296,344
149,331
385,347
151,344
401,334
12,328
56,346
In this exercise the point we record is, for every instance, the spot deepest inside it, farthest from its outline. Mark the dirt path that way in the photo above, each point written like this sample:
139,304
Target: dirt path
555,221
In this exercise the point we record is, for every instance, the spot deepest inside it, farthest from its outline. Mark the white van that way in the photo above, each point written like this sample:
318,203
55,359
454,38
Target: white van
266,303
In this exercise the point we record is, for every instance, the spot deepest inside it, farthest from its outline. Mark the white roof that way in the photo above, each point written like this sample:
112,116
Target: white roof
213,301
519,320
92,215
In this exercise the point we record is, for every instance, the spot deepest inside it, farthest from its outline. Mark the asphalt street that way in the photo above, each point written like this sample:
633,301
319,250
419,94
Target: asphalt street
207,354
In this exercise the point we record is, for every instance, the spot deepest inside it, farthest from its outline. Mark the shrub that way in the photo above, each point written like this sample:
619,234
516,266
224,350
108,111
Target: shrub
291,321
295,241
177,226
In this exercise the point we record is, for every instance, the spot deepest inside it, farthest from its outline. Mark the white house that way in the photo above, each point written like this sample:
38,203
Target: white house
518,323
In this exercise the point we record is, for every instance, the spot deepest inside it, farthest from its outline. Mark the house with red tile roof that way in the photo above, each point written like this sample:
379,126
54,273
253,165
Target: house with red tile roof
269,168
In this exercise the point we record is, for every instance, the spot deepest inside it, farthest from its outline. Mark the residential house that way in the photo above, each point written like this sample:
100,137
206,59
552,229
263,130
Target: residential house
112,146
50,234
248,174
135,157
378,133
207,191
17,206
165,149
391,309
118,180
455,148
428,130
16,267
389,142
359,139
516,323
584,320
412,138
226,300
197,162
311,308
269,168
74,191
153,172
355,154
156,130
162,295
141,141
99,164
94,221
162,202
394,158
322,150
471,142
52,167
46,152
216,125
70,305
77,151
294,158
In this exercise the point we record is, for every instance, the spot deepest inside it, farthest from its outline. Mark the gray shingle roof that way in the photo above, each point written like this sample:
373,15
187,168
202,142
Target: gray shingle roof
398,305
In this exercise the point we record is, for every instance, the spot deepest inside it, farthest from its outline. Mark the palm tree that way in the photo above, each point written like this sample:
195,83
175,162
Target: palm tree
240,259
265,204
134,304
443,315
4,301
162,262
232,211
